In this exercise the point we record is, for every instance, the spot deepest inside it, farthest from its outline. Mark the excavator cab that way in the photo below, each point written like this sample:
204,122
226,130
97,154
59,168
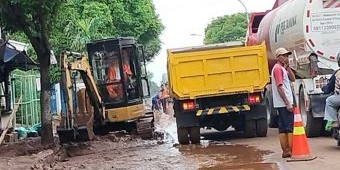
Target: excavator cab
119,71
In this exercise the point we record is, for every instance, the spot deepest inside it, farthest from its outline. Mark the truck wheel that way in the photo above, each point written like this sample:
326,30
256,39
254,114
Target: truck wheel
261,127
271,112
249,129
182,134
195,134
313,126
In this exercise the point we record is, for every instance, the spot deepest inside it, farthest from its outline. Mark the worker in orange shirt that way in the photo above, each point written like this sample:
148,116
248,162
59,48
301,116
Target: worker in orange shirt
164,96
115,91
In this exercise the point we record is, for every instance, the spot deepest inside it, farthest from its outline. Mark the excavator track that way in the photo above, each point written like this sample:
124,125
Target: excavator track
145,126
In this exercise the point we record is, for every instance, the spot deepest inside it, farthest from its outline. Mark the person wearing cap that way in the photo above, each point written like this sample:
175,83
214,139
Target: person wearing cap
333,101
281,76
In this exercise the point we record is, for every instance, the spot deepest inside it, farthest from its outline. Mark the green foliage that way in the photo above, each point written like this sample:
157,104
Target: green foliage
79,23
225,29
30,16
138,19
55,74
82,21
30,21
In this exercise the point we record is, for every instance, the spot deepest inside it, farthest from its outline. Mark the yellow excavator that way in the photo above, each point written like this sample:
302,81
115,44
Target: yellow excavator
114,75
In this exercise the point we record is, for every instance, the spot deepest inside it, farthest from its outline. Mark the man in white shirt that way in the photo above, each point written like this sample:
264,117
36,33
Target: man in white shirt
281,77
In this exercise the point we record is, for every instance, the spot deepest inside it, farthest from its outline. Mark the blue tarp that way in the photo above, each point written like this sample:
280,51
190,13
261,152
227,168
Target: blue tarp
23,132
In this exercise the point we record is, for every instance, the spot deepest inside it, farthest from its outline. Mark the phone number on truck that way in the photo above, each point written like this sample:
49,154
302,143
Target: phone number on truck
326,28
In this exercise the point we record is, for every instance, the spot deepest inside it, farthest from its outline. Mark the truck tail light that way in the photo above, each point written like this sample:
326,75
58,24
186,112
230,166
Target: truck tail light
254,98
189,105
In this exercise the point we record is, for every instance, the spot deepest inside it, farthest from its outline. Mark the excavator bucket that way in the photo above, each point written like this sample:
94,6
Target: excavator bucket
82,121
78,134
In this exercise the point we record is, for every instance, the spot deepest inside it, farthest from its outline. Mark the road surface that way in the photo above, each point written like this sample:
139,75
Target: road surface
218,150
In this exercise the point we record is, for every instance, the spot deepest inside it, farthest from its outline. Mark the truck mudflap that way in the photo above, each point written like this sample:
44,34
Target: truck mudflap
317,104
222,110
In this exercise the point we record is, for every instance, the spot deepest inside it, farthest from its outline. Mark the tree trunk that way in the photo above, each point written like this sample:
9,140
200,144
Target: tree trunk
46,117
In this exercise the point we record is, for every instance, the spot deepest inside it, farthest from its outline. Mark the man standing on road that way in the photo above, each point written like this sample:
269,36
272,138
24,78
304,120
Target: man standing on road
283,98
164,96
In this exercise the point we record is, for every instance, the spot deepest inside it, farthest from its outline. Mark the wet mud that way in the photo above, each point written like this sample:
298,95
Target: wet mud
122,151
218,155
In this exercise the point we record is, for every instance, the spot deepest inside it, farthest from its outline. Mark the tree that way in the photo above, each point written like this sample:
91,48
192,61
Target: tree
226,28
35,19
83,21
137,19
79,22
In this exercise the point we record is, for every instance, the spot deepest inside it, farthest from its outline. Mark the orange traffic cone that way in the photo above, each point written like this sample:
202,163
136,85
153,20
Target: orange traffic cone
300,149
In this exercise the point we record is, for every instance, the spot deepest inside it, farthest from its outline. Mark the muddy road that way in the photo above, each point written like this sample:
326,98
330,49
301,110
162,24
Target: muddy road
123,151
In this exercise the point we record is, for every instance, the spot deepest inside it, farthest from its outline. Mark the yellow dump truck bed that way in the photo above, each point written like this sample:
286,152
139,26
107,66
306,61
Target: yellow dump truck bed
218,69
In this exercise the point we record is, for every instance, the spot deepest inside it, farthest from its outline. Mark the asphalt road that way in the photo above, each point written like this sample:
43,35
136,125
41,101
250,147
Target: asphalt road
324,148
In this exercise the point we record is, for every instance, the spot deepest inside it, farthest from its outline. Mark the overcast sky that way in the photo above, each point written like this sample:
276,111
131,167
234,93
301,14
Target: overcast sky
182,18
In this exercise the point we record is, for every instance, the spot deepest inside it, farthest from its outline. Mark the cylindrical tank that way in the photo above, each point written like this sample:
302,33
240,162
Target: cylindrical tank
304,27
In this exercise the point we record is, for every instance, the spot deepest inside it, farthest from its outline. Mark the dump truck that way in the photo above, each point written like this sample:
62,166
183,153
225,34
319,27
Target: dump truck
311,31
218,86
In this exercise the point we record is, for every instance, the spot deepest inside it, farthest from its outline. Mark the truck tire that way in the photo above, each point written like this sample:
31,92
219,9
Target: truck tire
183,136
195,135
249,129
271,111
313,126
261,127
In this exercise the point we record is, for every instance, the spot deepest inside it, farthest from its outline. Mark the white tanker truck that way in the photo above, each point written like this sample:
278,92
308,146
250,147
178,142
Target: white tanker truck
311,30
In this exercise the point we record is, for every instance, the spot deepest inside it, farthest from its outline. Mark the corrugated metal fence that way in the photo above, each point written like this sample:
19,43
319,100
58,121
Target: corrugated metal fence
25,85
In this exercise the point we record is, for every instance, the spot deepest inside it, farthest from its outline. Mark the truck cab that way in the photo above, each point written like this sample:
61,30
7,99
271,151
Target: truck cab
253,25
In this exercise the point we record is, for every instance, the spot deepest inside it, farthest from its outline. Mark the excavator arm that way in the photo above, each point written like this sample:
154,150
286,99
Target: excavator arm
77,124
